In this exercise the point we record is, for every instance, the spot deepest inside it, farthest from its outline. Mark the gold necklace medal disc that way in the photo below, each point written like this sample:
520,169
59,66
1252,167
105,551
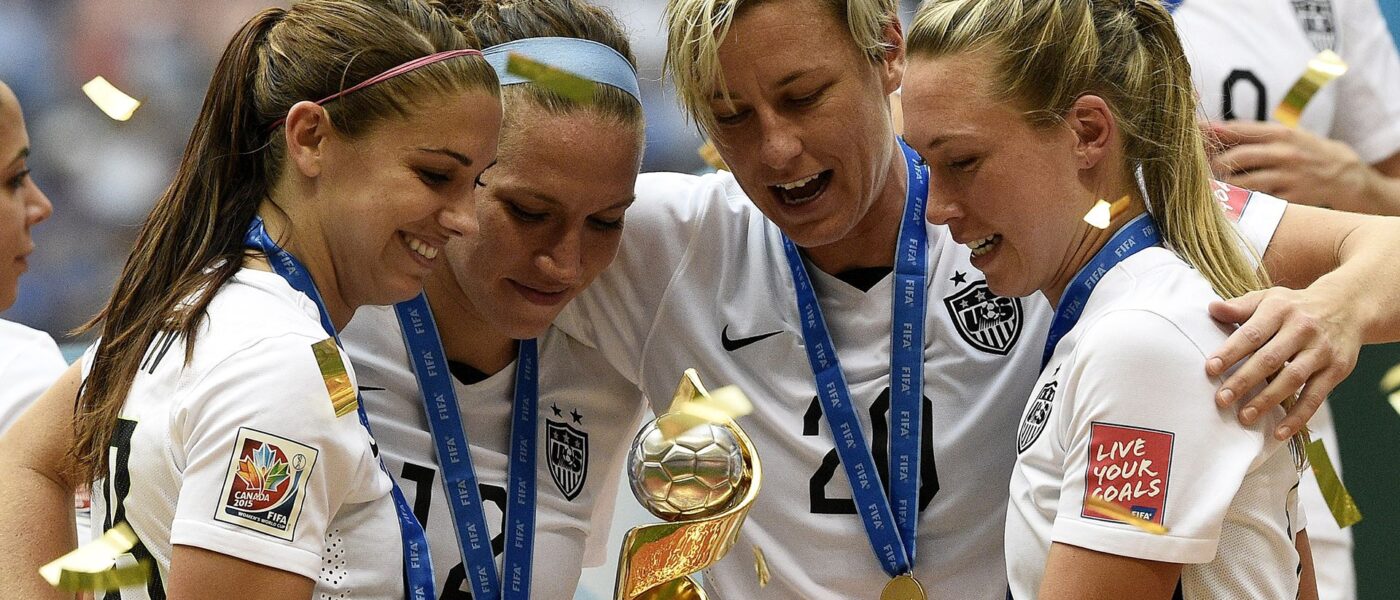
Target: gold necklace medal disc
903,587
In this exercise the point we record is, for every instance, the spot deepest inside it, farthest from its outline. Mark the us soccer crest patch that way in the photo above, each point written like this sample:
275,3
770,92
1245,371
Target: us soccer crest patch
986,321
1036,418
567,451
265,486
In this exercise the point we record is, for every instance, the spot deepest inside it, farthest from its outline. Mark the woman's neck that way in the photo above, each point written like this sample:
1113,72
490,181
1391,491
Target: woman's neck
871,243
466,335
311,251
1090,243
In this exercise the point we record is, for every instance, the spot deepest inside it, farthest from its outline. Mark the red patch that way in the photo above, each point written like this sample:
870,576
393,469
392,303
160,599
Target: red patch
1232,199
1130,467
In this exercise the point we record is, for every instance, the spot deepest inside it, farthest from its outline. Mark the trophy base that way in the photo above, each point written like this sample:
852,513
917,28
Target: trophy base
675,589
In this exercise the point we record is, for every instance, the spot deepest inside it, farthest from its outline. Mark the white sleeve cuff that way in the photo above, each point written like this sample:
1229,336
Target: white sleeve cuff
247,545
1123,540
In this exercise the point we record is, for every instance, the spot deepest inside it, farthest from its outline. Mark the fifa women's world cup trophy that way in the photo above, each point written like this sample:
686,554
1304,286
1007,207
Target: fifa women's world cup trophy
694,468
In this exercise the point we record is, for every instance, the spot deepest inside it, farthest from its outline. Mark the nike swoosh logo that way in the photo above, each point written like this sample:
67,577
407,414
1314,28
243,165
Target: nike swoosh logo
732,344
370,388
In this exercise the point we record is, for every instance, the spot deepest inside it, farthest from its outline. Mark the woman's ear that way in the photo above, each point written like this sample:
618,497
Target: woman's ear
307,130
1094,129
894,60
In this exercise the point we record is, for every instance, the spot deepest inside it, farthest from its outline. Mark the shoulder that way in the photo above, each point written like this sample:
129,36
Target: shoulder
30,346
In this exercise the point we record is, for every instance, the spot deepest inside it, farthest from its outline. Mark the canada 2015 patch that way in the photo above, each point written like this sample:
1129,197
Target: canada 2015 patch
266,483
1130,467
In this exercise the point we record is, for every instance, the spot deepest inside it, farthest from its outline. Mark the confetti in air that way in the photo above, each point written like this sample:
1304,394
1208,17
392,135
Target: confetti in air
1390,384
557,80
1103,213
109,99
711,156
93,566
1099,504
760,564
1339,500
1322,69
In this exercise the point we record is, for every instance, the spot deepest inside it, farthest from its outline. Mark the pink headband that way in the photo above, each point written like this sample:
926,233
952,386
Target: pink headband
411,65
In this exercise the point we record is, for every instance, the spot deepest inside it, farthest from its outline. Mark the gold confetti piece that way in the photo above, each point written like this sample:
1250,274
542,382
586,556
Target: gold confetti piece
1390,384
92,566
1099,504
1322,69
760,564
711,156
343,399
1339,501
1102,214
693,405
562,82
109,99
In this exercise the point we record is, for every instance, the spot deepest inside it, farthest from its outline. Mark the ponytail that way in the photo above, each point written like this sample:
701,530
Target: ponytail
192,241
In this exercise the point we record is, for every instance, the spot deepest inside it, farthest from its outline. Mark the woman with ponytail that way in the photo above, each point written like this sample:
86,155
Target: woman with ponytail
1029,112
337,151
551,216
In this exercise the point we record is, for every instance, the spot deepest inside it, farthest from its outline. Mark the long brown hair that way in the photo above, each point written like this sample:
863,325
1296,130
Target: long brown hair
192,241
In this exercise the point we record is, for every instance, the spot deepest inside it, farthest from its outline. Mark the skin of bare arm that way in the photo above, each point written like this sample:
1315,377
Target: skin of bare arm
1074,573
36,496
199,574
1345,281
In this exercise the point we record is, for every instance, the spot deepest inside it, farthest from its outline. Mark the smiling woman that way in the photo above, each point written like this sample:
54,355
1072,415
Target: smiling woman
29,360
338,149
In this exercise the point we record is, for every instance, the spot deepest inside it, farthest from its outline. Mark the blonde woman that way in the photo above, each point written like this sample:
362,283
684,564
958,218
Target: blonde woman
1028,113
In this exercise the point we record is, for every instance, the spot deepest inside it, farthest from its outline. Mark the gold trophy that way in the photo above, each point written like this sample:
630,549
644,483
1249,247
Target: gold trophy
694,468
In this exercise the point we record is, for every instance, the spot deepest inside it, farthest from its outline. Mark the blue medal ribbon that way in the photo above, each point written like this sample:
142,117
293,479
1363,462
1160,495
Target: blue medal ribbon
891,529
417,562
1172,5
454,457
1135,236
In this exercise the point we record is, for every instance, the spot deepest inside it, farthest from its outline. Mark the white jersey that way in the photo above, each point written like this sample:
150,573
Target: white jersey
1246,54
1123,411
29,363
589,416
240,452
702,281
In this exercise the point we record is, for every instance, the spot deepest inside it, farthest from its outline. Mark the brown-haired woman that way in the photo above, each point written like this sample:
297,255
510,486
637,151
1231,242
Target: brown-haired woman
337,151
551,217
1029,112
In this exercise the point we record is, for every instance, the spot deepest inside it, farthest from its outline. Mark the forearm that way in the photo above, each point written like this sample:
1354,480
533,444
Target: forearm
1367,278
1381,196
36,526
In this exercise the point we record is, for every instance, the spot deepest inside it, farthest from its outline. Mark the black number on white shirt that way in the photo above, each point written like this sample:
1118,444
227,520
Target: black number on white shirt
821,503
114,492
422,478
1261,102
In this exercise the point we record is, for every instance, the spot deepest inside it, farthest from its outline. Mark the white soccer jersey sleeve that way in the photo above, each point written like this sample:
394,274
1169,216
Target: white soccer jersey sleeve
267,405
1158,449
29,363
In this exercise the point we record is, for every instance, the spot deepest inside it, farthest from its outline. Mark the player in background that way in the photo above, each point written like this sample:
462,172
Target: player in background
338,149
1345,152
29,359
705,279
551,215
1029,112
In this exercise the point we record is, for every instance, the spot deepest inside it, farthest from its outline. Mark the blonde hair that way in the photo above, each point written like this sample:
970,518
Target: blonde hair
1048,53
696,28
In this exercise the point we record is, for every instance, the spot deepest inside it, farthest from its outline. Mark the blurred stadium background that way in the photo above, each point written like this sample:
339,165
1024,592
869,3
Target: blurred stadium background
102,176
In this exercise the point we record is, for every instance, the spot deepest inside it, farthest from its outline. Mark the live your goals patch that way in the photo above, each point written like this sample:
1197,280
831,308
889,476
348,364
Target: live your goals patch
267,476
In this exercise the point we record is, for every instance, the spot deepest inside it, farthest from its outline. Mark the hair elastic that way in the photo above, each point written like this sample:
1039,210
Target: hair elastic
586,58
411,65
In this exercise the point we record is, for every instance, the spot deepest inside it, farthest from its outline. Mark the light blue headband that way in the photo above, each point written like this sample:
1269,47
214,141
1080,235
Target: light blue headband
585,58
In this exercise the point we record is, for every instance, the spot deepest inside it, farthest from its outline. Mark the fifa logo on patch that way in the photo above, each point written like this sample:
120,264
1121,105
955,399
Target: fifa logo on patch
267,476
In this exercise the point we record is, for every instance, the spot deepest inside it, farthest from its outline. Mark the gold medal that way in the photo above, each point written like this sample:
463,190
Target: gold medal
903,587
